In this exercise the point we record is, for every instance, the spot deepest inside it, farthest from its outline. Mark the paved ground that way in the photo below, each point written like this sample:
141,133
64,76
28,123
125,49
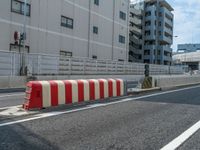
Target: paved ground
148,122
11,99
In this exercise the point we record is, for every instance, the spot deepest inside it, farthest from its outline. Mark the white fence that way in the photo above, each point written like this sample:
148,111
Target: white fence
40,64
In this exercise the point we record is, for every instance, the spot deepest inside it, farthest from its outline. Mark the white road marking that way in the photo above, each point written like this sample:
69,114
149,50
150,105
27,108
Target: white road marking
14,111
9,95
177,142
56,113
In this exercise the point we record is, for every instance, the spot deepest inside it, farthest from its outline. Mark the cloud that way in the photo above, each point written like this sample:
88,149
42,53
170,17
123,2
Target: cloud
186,21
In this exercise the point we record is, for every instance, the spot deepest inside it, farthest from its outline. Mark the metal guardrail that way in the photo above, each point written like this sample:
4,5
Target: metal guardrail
42,64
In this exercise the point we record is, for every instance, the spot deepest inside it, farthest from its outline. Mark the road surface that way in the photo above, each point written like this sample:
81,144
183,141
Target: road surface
149,122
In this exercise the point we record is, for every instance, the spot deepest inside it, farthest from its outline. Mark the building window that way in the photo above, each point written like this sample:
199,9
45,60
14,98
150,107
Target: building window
18,7
94,57
67,22
159,52
148,23
122,15
121,39
95,30
148,13
147,32
160,24
121,60
146,52
65,53
96,2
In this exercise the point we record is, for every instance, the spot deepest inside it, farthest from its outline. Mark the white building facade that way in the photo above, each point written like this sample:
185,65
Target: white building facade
80,28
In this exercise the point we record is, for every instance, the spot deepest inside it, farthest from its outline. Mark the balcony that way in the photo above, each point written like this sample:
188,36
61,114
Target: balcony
168,31
167,58
136,11
135,40
150,37
136,21
165,39
150,47
169,22
165,48
135,30
135,50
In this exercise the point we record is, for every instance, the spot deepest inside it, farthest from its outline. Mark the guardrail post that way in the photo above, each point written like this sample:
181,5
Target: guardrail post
96,67
84,67
14,66
125,87
70,66
169,70
116,67
11,67
106,67
124,67
58,65
38,66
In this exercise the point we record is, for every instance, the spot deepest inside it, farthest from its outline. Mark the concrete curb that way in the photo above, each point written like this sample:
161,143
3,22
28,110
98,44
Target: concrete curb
139,91
179,86
12,90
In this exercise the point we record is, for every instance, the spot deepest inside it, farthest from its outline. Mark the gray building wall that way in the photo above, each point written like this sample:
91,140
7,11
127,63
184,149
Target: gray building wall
158,31
46,35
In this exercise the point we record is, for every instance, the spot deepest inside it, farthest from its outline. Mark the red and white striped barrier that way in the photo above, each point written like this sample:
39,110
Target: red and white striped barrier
42,94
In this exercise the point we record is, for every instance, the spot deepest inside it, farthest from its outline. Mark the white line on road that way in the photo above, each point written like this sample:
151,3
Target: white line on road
9,95
177,142
56,113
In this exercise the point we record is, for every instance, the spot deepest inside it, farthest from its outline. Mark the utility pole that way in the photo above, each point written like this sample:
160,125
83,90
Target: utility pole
89,53
22,71
127,39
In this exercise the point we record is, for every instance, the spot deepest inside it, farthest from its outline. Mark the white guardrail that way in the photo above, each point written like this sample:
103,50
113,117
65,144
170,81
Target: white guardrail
41,64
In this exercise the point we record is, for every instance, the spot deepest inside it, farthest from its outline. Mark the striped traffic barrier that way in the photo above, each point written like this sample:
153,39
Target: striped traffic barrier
43,94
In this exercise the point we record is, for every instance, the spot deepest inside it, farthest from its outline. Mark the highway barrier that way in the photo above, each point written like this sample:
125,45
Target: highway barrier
43,94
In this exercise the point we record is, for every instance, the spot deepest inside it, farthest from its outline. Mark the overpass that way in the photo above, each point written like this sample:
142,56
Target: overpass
191,59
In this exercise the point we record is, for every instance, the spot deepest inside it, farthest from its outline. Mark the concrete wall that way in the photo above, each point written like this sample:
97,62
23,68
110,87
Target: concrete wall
166,82
19,82
12,82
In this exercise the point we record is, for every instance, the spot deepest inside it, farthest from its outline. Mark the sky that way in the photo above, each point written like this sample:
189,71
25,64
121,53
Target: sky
186,21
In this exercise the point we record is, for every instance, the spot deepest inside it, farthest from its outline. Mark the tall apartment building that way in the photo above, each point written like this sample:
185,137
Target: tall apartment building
158,31
188,48
136,44
81,28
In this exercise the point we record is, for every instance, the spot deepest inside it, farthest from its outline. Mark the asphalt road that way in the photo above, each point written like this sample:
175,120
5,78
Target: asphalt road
148,122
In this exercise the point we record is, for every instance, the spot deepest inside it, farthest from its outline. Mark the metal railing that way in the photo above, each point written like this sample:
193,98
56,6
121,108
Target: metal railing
42,64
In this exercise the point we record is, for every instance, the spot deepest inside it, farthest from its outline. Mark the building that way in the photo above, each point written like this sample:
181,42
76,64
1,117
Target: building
185,48
136,42
83,28
157,31
192,60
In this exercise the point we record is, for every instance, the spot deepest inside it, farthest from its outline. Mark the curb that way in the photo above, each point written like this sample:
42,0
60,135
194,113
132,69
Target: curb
179,86
139,91
12,90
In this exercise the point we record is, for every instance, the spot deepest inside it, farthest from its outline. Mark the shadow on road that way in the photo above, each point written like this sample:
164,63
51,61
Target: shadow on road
18,137
190,96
